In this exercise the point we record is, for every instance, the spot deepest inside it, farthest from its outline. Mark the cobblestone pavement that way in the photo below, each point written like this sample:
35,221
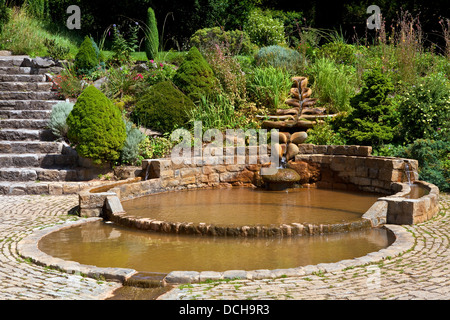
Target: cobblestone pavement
20,279
419,273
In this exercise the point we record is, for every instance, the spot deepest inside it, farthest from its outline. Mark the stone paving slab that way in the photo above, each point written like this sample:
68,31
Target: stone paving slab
20,279
419,272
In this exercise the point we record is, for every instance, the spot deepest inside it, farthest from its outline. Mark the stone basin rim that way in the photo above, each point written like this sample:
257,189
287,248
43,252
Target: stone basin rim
28,248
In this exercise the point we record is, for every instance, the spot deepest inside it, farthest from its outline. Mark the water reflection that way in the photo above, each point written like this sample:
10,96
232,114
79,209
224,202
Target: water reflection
108,245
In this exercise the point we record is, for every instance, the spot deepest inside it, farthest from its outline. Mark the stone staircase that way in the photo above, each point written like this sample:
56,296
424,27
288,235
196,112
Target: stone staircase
30,158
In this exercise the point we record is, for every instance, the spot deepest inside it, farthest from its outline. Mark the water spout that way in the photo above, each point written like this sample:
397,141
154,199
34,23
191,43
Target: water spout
408,171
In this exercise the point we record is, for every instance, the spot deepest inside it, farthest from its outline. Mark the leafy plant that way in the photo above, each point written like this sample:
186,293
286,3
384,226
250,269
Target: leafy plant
68,83
163,108
58,119
263,29
323,134
228,71
425,109
236,41
4,14
269,87
338,52
372,120
123,47
155,147
87,59
279,57
215,112
434,160
96,127
56,51
131,149
195,77
333,84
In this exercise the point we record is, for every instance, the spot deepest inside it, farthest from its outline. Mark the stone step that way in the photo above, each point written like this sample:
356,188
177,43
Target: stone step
18,70
40,174
27,104
11,61
26,135
30,95
24,124
23,78
25,86
30,160
25,114
7,147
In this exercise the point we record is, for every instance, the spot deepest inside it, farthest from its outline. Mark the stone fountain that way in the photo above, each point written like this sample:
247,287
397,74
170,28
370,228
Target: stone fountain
287,149
302,114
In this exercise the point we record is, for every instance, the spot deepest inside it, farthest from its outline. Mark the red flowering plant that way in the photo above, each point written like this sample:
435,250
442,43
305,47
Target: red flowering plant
159,72
67,84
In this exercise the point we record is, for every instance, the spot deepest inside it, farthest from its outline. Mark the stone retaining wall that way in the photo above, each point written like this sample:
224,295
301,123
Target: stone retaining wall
349,168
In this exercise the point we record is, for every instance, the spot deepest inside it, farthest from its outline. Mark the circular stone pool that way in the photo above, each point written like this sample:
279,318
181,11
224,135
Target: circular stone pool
108,245
246,206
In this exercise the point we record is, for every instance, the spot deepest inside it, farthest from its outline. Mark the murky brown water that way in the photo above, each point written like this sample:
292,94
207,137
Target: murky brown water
245,206
417,191
107,245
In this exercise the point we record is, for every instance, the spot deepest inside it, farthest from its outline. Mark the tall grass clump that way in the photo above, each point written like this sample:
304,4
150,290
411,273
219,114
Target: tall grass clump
269,87
334,84
24,34
215,111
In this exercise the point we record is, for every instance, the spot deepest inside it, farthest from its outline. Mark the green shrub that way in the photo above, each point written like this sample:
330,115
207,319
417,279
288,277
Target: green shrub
151,36
269,87
264,30
291,21
155,147
163,108
228,72
87,59
372,121
131,148
56,51
96,127
5,13
279,57
425,109
195,77
332,84
216,112
323,134
434,161
237,41
58,119
338,52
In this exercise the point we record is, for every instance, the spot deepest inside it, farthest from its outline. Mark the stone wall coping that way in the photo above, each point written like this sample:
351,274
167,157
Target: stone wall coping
28,249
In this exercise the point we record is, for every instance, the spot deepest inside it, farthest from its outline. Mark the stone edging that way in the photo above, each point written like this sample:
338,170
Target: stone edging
28,249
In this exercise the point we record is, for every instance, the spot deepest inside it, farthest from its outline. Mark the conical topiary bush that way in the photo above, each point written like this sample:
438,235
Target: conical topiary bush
194,76
96,127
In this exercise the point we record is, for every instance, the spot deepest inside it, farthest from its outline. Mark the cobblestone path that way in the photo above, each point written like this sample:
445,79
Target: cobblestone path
422,272
19,279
